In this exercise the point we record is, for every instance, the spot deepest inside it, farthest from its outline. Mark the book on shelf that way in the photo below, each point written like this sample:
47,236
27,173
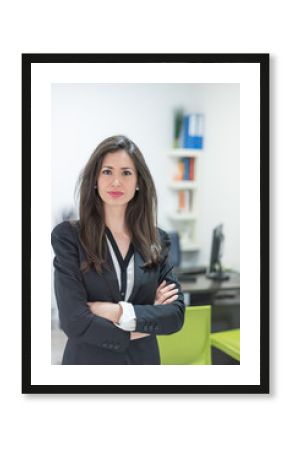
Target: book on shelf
181,201
191,168
180,170
184,201
192,130
185,169
178,120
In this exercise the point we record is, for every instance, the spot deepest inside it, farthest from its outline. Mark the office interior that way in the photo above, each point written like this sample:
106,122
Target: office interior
85,114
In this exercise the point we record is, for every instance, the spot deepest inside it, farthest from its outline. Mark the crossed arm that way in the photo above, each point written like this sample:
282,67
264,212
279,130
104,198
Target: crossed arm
165,294
97,323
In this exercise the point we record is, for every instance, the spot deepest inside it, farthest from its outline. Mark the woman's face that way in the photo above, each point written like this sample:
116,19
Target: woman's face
117,180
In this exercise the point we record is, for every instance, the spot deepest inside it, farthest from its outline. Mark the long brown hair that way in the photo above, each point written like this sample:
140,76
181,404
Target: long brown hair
141,211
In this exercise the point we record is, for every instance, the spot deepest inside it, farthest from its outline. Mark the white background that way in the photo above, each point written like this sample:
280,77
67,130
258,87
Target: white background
76,421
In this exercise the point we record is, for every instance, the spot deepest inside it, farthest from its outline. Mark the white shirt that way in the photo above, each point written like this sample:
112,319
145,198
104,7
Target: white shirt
127,320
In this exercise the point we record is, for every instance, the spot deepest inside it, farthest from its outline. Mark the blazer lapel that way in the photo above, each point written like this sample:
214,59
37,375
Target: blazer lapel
112,279
138,274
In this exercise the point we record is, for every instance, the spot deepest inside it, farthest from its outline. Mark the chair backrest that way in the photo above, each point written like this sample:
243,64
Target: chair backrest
174,251
190,345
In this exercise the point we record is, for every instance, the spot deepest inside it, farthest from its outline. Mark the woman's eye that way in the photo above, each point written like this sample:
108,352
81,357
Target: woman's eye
106,172
127,172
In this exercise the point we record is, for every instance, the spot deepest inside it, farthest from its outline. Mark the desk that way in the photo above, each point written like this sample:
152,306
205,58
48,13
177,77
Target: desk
223,296
228,342
204,285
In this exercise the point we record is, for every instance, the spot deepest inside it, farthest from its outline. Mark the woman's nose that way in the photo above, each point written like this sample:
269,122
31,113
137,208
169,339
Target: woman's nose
116,182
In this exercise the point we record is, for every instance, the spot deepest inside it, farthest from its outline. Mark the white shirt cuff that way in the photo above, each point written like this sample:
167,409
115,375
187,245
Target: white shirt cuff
128,319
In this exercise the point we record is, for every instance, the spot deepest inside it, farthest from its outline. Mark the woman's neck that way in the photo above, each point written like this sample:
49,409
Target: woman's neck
115,219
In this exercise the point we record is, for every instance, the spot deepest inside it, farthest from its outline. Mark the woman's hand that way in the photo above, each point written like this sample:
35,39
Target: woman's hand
137,335
165,294
112,312
107,310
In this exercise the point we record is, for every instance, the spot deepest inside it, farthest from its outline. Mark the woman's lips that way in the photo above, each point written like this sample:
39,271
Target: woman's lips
115,194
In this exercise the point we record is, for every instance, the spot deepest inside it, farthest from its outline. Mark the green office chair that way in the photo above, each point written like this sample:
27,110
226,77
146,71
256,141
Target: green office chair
190,345
228,342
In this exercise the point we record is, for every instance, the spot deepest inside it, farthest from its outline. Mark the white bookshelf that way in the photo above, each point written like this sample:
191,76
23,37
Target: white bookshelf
189,247
183,185
182,216
184,221
184,153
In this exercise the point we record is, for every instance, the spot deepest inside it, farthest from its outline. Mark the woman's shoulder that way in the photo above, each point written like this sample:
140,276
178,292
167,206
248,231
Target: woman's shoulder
161,232
67,229
163,237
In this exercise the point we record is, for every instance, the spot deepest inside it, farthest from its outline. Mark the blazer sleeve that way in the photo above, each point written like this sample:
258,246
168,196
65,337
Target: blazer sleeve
76,319
162,319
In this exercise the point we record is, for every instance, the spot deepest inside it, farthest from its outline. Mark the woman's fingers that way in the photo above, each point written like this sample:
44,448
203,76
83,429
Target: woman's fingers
137,335
162,285
166,293
170,300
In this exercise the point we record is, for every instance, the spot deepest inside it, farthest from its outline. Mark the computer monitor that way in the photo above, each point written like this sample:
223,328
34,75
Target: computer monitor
215,267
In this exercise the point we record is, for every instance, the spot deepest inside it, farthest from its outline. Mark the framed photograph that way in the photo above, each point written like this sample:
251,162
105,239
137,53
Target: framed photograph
145,223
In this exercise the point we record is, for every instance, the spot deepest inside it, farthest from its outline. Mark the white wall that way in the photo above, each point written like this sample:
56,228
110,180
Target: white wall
220,177
83,115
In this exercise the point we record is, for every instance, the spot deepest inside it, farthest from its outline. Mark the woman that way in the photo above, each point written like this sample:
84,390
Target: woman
114,285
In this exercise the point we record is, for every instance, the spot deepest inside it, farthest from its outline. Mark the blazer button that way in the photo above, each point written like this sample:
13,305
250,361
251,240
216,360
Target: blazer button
116,346
105,345
110,346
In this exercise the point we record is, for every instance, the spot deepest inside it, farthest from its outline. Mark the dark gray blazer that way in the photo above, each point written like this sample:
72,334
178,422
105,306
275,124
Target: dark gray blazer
92,339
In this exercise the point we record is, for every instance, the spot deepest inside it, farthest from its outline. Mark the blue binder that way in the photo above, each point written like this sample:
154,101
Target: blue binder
193,131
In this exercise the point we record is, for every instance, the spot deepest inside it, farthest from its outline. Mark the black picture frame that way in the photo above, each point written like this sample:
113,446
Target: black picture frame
246,58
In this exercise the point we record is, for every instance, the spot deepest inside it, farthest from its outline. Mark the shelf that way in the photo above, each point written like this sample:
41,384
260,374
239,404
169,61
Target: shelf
189,247
185,153
179,185
184,220
182,216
